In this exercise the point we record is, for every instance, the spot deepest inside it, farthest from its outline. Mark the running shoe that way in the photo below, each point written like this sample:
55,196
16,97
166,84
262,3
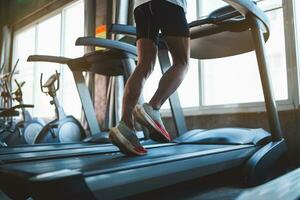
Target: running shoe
126,140
150,118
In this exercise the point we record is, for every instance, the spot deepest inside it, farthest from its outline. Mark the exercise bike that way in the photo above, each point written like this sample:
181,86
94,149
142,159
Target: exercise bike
6,85
6,121
4,99
6,127
63,129
26,129
7,130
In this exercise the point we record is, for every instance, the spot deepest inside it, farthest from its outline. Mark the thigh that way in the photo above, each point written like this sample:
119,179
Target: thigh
146,26
171,19
179,48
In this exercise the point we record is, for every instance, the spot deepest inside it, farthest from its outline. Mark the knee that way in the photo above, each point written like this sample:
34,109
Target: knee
181,61
144,69
183,64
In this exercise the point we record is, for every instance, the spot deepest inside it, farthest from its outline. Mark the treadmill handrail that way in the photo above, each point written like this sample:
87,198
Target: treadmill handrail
246,7
110,44
243,8
229,12
123,29
46,58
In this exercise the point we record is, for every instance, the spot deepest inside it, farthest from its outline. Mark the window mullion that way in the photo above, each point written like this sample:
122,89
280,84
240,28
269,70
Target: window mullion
62,51
291,55
34,74
200,74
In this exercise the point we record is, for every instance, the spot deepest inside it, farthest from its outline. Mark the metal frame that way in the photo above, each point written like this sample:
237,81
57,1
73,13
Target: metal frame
87,103
265,77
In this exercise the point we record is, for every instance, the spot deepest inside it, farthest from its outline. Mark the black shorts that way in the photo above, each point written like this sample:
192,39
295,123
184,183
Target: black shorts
160,15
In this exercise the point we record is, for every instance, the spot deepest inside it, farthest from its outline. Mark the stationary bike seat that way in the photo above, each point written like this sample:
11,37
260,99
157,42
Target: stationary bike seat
50,81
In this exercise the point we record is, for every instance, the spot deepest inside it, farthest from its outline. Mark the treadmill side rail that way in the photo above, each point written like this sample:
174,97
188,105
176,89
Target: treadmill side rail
259,166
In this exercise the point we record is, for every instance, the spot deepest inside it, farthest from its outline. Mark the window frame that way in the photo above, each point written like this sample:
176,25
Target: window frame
294,44
293,72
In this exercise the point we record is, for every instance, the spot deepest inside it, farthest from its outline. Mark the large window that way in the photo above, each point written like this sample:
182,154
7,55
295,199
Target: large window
55,36
236,79
233,80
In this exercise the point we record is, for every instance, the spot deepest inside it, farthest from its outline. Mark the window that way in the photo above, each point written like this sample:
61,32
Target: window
55,36
227,83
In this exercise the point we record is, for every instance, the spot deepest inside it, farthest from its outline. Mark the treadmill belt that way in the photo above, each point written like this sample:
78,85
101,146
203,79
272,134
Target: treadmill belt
56,147
43,147
113,160
62,153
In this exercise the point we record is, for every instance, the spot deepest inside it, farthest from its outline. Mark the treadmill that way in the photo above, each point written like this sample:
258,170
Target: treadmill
112,62
118,59
193,155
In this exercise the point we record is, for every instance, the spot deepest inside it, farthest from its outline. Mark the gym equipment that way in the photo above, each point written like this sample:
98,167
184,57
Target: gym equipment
194,154
114,62
6,122
5,99
6,86
5,96
1,84
26,129
63,129
106,62
7,129
2,94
